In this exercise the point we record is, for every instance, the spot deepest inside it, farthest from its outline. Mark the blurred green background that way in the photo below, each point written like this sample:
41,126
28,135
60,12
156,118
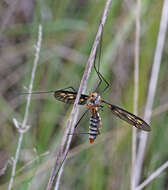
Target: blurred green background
69,29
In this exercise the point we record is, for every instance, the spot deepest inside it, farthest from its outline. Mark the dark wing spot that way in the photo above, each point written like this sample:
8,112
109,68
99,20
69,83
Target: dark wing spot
69,97
83,99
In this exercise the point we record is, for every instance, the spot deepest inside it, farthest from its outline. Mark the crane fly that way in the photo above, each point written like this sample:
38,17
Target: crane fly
94,103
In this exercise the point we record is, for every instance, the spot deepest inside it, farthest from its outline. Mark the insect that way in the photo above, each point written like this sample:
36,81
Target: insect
94,103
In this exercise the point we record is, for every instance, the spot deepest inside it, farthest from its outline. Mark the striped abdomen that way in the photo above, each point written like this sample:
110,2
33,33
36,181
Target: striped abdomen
95,121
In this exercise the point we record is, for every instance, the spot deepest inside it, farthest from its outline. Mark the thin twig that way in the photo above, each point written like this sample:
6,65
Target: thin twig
152,88
136,84
73,116
153,176
23,127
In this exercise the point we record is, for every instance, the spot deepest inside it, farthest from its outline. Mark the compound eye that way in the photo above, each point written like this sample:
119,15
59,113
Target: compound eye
91,95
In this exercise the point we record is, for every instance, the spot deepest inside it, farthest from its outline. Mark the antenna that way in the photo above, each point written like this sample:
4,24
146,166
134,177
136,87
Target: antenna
40,92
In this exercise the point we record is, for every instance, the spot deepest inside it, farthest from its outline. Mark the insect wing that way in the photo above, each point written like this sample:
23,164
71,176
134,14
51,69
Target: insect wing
69,97
129,117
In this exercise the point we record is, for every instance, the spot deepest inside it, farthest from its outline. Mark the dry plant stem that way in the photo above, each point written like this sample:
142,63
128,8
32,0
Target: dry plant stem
136,84
23,128
152,88
153,176
73,116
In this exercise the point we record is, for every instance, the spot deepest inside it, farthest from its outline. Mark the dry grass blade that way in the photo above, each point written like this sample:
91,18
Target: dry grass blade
152,88
153,176
23,127
74,114
136,83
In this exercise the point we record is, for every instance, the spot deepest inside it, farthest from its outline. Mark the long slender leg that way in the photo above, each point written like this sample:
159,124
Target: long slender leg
107,84
81,133
69,87
72,134
81,118
79,122
61,165
99,56
101,78
97,70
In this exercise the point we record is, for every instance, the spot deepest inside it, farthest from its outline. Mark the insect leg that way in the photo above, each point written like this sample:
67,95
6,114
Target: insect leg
107,84
81,118
69,87
81,133
98,74
71,134
101,78
79,122
65,156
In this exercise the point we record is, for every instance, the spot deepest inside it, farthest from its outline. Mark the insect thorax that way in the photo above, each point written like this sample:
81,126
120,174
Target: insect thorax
94,100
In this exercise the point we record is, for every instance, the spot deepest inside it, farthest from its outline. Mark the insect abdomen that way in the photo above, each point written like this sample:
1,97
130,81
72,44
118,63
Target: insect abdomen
94,127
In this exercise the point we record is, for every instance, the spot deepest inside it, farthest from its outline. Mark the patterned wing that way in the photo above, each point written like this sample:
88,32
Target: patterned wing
69,97
128,117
